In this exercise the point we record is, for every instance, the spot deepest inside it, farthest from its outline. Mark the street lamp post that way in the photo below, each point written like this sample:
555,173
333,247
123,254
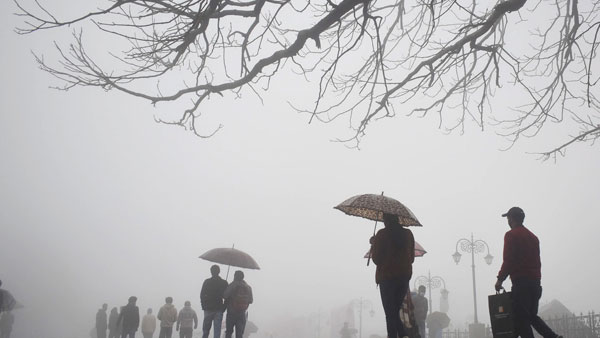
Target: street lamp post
431,283
362,303
473,247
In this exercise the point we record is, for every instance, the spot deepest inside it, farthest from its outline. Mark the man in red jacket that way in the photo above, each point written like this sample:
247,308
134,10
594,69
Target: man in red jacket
521,261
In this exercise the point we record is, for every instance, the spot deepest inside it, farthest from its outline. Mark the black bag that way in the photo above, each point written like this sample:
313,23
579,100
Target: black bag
502,316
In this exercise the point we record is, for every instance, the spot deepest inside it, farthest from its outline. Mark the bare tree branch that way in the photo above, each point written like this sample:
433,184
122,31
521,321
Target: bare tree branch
455,60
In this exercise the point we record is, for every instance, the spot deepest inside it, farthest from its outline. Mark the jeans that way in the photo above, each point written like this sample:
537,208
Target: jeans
128,333
392,296
421,325
165,332
237,320
185,332
209,318
526,294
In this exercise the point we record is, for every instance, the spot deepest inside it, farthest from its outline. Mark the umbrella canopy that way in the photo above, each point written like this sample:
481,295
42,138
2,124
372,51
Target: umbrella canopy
419,251
438,319
371,206
230,256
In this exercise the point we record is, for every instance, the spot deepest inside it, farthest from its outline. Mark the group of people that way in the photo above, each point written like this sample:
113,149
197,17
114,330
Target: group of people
216,298
392,250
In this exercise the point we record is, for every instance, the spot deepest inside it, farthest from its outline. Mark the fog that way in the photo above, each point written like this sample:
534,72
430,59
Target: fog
100,203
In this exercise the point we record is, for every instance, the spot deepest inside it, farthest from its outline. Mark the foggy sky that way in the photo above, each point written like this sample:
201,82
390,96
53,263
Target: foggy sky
99,203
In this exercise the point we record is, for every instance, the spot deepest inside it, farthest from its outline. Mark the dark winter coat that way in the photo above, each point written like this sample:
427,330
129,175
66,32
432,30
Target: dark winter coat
101,321
393,252
211,296
130,317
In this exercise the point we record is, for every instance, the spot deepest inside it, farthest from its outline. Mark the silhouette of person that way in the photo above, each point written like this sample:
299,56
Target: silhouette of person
238,296
521,261
211,300
101,322
393,251
148,324
129,318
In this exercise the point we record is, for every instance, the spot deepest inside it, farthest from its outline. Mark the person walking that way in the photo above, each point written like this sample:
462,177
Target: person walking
521,261
393,251
187,321
167,316
347,332
7,319
101,322
129,318
113,328
148,324
421,307
211,300
238,296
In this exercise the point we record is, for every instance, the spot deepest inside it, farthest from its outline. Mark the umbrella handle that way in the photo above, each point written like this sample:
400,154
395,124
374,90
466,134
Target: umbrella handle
370,252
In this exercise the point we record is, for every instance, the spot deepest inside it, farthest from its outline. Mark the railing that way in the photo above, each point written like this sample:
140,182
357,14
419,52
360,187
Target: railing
582,326
457,333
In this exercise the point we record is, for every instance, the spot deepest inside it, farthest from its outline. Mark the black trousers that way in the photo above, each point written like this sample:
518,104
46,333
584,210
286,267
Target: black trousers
100,333
235,320
526,294
165,332
392,296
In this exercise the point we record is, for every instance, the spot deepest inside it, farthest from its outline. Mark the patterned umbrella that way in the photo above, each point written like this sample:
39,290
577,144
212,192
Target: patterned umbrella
371,206
230,256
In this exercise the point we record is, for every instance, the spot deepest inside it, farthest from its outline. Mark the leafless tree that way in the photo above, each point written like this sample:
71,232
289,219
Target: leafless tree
454,59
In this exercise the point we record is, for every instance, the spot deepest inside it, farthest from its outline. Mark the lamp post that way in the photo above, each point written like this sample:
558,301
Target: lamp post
472,247
431,283
362,303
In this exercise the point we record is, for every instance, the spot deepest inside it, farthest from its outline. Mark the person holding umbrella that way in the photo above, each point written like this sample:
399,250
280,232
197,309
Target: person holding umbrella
393,251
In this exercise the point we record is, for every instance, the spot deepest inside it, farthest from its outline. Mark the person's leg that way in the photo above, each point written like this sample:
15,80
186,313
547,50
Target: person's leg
400,294
162,333
207,323
538,323
240,325
218,323
522,305
421,326
229,322
168,332
389,291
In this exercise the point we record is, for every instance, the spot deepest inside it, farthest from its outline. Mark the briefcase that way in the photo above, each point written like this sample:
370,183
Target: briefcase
502,316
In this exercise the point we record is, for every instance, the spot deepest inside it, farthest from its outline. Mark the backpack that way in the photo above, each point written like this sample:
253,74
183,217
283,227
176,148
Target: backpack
241,298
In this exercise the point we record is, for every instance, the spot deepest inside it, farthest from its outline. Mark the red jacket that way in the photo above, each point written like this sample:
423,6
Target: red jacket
521,255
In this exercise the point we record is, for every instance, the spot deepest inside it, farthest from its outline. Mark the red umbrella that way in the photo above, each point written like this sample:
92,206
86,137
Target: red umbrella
419,251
